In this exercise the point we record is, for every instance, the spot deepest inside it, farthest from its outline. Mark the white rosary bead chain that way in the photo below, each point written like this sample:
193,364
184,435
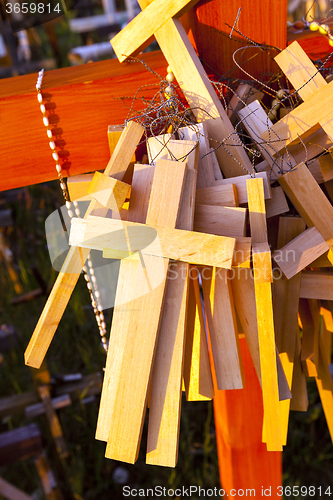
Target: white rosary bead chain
89,273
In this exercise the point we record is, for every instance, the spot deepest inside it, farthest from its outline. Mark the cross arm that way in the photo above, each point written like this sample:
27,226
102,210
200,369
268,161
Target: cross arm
188,246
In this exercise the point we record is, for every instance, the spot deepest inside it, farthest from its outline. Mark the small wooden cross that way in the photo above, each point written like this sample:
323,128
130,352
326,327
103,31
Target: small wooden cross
316,93
76,257
158,19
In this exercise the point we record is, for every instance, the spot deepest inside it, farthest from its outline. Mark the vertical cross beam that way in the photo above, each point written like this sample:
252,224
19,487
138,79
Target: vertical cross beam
189,73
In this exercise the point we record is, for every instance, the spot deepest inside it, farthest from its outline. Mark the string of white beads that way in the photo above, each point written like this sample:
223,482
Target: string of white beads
168,91
89,273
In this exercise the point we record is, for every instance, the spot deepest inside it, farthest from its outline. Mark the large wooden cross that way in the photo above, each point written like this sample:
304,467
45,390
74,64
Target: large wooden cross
158,19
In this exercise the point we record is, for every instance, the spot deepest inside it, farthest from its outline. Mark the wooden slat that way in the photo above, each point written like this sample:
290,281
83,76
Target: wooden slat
206,173
193,247
277,204
263,296
135,335
97,88
309,200
109,192
302,119
325,387
197,372
256,122
257,210
204,102
166,379
244,298
300,71
9,491
227,221
76,257
222,328
139,33
317,285
223,196
285,308
240,183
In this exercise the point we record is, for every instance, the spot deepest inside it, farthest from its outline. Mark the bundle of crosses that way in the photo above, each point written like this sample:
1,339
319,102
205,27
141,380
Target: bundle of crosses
184,236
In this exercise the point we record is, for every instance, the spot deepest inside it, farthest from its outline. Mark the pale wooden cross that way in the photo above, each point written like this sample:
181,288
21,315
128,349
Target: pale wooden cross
158,19
76,257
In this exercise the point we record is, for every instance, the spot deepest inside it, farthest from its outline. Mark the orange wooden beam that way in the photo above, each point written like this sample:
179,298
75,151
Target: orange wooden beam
87,102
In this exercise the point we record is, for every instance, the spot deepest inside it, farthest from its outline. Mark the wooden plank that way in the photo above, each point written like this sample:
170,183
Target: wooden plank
263,296
309,200
285,310
166,379
204,102
322,168
76,257
135,335
300,252
78,186
184,151
257,211
109,192
166,383
277,204
302,119
317,285
222,328
325,387
199,132
245,94
229,221
244,298
157,147
114,134
240,183
197,372
53,421
8,490
300,71
299,400
310,328
200,248
91,84
139,33
221,196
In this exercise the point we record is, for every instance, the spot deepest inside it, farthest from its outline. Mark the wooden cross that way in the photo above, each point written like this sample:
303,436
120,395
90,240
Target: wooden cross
158,20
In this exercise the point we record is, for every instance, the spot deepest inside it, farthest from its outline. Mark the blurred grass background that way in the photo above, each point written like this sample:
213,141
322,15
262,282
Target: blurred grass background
307,459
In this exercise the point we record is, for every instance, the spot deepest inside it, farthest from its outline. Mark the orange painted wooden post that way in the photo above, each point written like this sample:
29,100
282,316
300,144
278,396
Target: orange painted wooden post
244,462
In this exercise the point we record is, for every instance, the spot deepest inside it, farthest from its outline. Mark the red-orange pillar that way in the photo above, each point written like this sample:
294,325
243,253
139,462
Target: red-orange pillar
244,461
